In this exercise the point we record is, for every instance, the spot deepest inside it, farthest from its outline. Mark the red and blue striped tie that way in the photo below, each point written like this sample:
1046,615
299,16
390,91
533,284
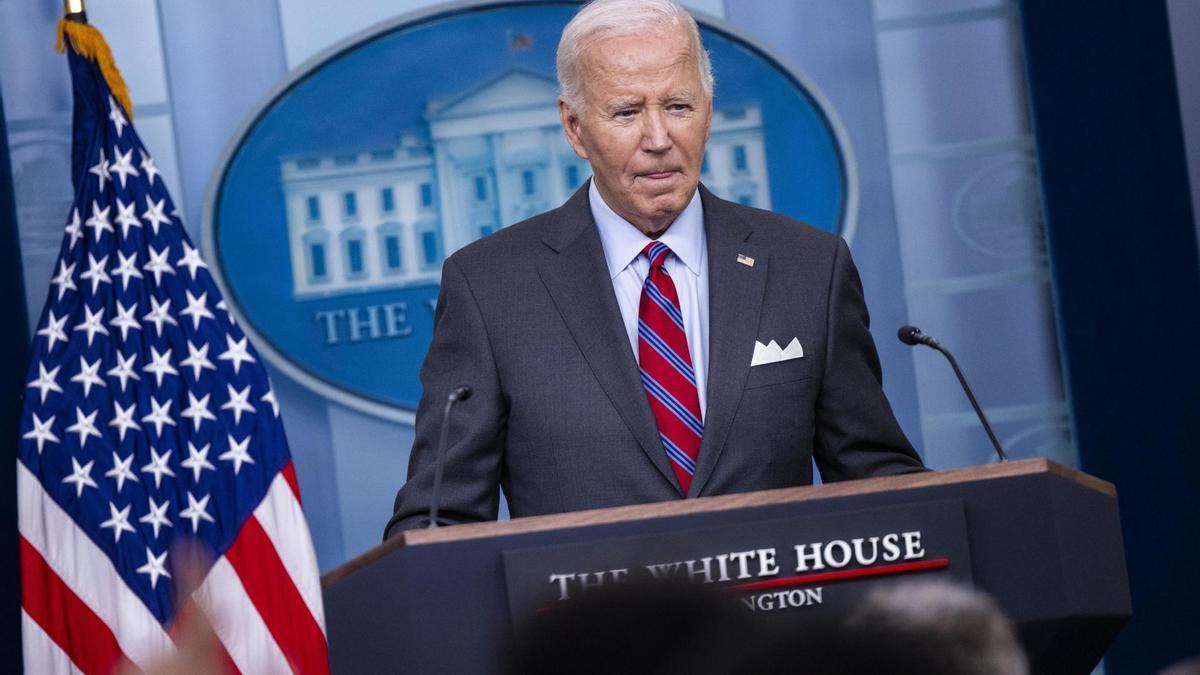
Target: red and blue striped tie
666,366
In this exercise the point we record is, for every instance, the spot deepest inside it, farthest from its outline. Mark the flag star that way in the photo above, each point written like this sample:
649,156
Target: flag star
196,511
156,515
191,260
197,460
63,280
118,520
237,453
85,426
198,410
149,167
41,432
81,476
117,117
123,421
123,166
158,263
47,380
161,365
225,308
197,360
269,397
99,220
126,217
54,330
92,324
237,352
197,308
158,466
125,319
155,567
238,403
154,214
160,416
101,171
124,369
87,375
160,314
121,470
74,228
127,268
96,272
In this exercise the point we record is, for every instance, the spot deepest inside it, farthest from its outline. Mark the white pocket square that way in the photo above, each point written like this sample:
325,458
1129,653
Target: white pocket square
773,353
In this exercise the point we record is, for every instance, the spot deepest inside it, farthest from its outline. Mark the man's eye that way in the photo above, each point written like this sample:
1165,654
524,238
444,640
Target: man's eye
624,114
679,107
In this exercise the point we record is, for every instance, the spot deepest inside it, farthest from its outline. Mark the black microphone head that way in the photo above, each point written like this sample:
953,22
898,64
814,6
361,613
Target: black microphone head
909,335
461,393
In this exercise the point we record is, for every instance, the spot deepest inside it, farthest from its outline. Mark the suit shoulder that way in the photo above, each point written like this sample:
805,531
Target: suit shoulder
507,247
773,229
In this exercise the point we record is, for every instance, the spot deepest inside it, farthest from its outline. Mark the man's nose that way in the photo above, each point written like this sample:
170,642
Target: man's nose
655,137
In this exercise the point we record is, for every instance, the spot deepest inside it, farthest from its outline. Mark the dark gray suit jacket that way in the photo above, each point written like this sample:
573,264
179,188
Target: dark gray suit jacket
558,418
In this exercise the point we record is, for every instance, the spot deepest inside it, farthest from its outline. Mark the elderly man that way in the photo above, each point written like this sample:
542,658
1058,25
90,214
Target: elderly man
615,345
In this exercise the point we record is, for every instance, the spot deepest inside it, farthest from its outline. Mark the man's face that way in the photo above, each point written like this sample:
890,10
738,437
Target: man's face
643,126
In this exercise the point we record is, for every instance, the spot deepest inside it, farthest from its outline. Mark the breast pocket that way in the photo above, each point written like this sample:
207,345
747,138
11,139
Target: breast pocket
791,370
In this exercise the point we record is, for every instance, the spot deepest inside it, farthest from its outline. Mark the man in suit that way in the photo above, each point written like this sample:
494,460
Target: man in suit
615,345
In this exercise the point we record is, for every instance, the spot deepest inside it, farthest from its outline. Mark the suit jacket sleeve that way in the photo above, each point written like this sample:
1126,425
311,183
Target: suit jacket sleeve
857,435
460,354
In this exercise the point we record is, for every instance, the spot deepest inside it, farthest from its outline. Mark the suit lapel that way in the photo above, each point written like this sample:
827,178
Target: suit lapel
576,276
735,292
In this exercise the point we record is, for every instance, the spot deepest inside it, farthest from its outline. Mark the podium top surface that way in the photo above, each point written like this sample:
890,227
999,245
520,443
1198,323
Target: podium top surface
681,507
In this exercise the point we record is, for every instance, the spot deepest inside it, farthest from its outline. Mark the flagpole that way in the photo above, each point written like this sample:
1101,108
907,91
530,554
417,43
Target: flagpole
73,11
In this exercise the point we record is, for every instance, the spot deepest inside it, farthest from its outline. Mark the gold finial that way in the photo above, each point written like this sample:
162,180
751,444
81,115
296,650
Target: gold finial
73,10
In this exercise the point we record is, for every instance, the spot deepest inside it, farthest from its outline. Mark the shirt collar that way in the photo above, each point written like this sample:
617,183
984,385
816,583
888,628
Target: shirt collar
623,242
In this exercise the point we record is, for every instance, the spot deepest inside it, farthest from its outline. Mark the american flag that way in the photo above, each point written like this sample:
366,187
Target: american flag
148,418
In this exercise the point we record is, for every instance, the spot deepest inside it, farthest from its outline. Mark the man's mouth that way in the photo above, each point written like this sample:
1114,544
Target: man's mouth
659,175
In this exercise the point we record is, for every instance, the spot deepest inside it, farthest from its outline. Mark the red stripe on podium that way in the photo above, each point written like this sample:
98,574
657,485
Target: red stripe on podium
819,577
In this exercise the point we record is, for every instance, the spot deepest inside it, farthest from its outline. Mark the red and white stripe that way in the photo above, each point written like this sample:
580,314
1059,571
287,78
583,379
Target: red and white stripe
263,596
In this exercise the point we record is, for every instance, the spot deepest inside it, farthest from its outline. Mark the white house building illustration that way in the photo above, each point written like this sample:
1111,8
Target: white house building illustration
386,218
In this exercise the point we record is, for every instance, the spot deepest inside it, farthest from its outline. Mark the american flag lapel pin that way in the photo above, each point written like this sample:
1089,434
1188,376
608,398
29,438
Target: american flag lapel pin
745,260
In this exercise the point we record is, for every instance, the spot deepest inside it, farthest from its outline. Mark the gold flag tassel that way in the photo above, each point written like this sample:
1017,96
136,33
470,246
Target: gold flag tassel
90,44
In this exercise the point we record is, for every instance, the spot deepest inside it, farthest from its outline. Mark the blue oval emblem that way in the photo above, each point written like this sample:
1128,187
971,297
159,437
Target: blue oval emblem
344,192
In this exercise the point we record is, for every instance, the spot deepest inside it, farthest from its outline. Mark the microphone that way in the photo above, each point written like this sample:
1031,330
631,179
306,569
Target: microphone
460,393
912,336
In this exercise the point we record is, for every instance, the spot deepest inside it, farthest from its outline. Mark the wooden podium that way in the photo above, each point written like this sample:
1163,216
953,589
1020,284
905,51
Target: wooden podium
1043,539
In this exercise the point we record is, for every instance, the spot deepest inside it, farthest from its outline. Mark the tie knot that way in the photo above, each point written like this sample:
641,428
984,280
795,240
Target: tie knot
657,252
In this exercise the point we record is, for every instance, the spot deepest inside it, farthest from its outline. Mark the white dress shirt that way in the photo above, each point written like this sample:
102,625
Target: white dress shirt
687,265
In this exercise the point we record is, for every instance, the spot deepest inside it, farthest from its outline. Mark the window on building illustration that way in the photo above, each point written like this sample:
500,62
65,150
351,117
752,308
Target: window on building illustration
383,155
349,204
739,158
734,113
481,191
308,163
431,252
316,253
704,164
391,251
387,200
486,228
426,195
746,200
528,182
354,256
344,160
572,176
314,208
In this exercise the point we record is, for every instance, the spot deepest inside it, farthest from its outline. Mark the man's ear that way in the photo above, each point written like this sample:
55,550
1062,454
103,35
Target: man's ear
570,123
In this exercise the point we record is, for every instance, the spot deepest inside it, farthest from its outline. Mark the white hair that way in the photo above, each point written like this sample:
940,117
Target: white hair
607,18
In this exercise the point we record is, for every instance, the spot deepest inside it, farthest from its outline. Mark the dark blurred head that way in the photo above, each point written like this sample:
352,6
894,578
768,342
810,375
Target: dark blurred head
930,629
